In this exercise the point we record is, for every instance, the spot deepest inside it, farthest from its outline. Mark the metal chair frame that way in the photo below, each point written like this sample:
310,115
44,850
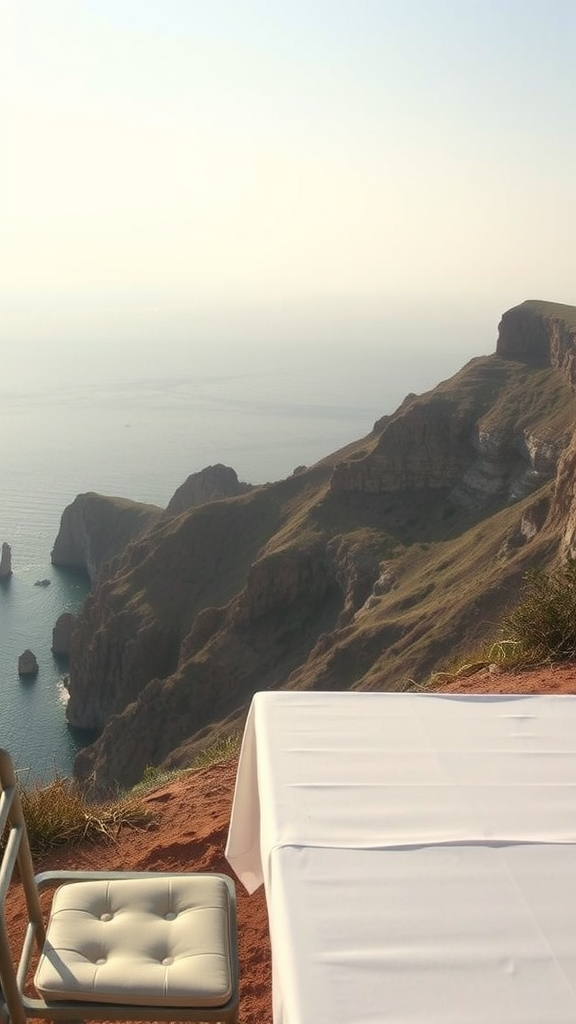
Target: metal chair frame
15,1006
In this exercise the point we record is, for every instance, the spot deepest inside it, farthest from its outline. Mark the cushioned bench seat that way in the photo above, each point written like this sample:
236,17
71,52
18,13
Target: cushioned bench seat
158,941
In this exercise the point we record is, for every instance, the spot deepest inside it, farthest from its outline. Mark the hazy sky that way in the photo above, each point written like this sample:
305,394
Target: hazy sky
162,159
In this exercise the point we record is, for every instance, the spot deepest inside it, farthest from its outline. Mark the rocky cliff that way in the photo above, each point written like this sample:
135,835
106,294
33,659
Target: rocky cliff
95,528
210,484
540,334
364,571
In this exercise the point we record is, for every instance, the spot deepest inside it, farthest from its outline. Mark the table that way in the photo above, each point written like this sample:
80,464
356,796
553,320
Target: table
418,853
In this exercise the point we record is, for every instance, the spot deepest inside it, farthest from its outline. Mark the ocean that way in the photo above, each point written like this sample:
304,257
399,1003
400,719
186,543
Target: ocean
140,435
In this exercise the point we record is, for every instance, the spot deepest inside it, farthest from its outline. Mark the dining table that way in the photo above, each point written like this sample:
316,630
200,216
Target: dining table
418,854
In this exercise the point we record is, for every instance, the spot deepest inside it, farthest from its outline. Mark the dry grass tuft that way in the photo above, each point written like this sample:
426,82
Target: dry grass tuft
58,813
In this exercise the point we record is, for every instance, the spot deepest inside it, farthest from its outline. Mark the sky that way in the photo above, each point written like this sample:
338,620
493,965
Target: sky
282,171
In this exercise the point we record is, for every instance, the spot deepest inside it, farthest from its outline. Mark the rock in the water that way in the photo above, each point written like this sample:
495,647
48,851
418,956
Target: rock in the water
5,561
42,583
61,635
27,664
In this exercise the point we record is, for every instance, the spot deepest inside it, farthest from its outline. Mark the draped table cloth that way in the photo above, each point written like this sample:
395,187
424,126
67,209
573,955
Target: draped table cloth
418,853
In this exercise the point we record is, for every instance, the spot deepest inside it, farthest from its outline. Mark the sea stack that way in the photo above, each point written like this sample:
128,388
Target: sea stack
5,562
27,664
62,634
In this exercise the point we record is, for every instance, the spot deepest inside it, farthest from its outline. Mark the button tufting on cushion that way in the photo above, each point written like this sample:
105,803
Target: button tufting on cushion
135,951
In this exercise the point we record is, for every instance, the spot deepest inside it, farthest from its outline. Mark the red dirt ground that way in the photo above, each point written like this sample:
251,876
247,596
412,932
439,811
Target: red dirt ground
190,824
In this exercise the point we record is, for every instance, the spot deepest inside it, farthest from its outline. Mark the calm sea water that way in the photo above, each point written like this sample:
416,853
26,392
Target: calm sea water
140,437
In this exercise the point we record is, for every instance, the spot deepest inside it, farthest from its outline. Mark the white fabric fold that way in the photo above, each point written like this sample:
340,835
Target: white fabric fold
375,769
418,853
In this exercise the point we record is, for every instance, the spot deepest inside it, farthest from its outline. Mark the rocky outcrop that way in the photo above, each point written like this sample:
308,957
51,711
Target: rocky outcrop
95,528
62,635
541,334
482,435
363,571
507,463
356,568
544,334
5,562
27,664
210,484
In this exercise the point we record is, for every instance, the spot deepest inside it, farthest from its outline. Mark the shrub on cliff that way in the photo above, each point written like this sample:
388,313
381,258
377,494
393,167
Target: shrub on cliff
542,626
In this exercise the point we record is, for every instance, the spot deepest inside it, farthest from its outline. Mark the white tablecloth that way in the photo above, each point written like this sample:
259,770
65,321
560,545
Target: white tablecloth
418,853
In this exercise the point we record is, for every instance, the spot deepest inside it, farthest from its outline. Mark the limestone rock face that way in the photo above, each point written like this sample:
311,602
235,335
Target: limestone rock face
27,664
5,562
95,528
509,463
62,635
363,571
210,484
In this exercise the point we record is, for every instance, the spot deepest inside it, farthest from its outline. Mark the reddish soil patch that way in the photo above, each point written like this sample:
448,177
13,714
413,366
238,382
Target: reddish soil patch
187,832
190,823
560,678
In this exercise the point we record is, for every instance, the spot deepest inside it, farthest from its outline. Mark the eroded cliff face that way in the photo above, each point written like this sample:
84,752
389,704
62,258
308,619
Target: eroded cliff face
362,571
95,528
549,331
541,334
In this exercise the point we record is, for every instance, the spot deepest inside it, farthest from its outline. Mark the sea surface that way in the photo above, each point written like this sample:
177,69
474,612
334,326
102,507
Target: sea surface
140,435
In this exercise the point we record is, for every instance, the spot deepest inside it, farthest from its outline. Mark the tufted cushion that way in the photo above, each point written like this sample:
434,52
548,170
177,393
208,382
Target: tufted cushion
152,941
